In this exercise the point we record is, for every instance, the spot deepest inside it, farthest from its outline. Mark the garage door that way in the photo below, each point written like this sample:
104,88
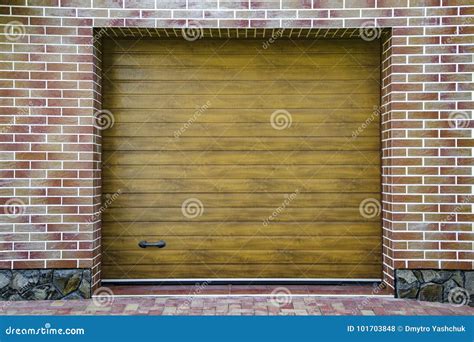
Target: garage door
249,162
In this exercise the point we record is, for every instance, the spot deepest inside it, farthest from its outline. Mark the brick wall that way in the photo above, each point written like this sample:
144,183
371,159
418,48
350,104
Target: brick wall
50,90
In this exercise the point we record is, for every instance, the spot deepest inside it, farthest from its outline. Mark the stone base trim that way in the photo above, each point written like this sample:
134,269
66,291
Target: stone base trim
444,286
44,284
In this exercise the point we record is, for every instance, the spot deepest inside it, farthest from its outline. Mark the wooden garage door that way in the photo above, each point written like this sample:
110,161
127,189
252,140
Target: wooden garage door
248,162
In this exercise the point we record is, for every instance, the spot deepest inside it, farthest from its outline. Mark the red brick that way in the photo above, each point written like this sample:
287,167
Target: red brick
422,264
30,264
292,4
456,265
440,255
61,263
108,3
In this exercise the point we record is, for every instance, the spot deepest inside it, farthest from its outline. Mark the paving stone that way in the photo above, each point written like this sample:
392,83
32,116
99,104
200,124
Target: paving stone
240,306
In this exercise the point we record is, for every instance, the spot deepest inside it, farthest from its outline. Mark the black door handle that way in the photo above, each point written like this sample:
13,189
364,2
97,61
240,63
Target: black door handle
158,244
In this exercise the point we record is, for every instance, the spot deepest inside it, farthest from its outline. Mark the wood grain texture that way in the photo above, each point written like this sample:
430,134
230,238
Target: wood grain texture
219,257
243,270
259,143
157,230
242,157
286,171
193,121
147,129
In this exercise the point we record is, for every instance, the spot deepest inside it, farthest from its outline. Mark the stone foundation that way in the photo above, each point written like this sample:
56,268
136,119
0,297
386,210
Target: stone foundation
444,286
45,284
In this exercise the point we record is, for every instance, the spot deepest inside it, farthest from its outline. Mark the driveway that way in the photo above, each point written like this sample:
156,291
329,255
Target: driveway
233,305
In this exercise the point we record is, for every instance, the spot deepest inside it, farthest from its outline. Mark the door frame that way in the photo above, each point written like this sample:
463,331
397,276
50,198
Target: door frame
384,112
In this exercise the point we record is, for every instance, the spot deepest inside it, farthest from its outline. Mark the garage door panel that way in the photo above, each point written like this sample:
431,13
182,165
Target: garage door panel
240,200
323,271
241,143
274,87
291,73
242,60
289,102
212,257
236,243
158,230
240,185
241,130
243,157
217,172
225,115
234,214
193,121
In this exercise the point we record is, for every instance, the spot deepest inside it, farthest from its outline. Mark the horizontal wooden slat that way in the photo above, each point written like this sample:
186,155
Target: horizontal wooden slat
214,172
242,60
236,214
362,243
211,257
238,185
212,115
217,130
243,157
241,200
320,73
157,230
185,143
288,102
213,88
333,271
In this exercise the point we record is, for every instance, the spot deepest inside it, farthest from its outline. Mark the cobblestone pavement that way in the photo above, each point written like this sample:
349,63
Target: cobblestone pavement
227,305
